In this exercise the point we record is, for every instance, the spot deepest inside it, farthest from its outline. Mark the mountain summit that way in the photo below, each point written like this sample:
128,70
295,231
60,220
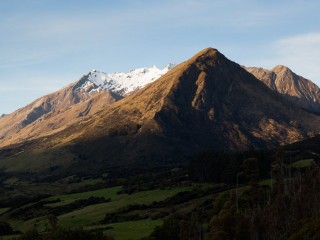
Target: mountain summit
120,83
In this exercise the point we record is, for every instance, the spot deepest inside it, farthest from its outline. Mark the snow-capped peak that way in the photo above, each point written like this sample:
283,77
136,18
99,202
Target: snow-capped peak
122,83
170,66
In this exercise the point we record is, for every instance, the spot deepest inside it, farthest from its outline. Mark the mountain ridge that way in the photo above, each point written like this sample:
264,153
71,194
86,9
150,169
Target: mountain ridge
121,83
295,88
205,103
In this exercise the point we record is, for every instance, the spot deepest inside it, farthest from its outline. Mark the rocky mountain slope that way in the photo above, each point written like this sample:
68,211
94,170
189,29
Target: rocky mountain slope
293,87
90,94
207,102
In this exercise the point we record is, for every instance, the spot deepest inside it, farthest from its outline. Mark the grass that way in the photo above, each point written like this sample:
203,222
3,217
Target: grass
90,217
11,181
303,163
35,160
24,189
3,210
133,230
10,237
68,198
95,213
39,222
267,182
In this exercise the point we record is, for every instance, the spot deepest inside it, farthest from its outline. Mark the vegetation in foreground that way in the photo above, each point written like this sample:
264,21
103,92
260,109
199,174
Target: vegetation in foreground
257,195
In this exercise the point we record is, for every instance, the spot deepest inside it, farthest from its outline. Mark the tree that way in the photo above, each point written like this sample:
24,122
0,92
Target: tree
228,224
169,230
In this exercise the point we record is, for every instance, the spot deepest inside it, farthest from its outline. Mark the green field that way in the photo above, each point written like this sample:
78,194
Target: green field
68,198
123,216
40,223
3,210
267,182
131,230
303,163
92,215
95,213
134,230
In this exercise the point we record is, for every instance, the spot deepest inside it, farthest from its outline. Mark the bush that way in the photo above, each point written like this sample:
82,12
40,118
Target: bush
5,228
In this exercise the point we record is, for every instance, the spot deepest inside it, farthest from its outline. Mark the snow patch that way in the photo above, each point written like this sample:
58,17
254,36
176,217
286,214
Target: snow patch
122,83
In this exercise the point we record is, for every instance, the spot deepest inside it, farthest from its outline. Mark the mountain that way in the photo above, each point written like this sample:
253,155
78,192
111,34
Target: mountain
293,87
206,102
93,92
121,83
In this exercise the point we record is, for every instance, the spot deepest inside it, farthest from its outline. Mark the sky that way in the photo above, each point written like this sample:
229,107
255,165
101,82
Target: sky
48,44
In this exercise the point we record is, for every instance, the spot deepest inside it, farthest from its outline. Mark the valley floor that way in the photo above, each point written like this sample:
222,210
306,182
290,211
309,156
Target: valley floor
228,197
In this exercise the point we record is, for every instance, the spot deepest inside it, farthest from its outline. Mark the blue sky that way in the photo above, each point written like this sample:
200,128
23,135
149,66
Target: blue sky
47,44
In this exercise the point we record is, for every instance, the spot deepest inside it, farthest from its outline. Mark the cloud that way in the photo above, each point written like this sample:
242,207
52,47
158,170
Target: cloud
301,53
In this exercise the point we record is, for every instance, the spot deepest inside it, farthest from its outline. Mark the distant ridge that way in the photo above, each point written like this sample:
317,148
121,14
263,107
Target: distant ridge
293,87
